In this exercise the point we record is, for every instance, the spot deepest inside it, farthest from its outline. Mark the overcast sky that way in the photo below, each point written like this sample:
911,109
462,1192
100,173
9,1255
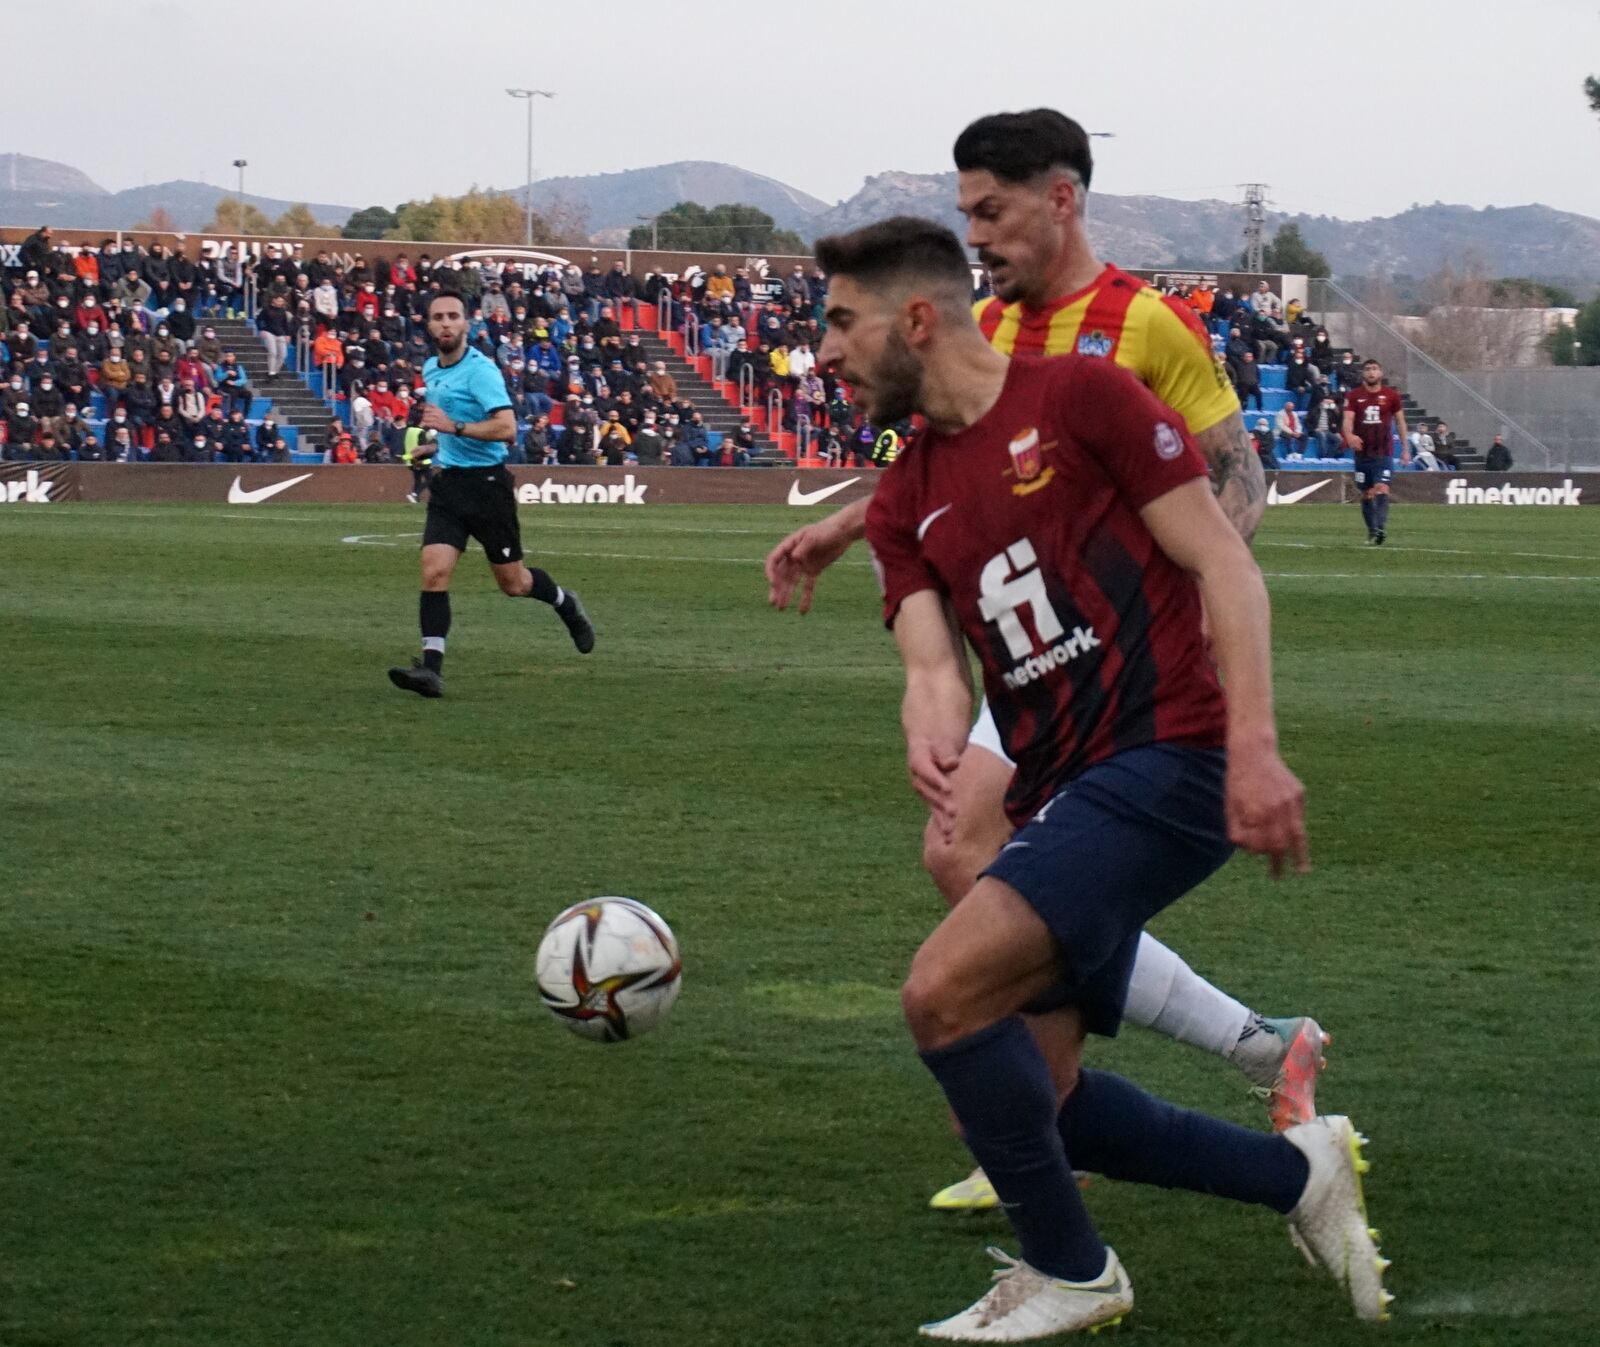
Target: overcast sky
1345,109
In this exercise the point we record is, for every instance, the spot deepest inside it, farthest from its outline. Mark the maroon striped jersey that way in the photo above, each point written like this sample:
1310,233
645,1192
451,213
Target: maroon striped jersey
1373,412
1027,522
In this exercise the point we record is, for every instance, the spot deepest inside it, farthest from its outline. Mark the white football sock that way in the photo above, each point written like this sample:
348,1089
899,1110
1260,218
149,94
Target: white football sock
1168,996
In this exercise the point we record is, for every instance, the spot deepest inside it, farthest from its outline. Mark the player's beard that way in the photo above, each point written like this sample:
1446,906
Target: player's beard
449,347
895,383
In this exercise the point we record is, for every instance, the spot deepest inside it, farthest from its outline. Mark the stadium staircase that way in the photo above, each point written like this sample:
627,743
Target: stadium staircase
292,402
1274,394
717,402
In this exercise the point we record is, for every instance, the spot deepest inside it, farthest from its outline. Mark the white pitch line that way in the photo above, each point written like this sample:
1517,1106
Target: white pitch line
1434,551
1354,575
376,540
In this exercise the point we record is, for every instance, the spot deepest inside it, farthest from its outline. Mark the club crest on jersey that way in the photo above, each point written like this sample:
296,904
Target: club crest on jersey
1027,461
1095,343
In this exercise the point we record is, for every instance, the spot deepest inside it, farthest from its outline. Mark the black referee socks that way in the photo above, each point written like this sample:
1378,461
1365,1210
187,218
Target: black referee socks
433,613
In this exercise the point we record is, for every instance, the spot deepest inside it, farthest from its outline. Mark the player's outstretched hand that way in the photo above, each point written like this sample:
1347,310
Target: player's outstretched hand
799,559
1267,810
931,769
433,418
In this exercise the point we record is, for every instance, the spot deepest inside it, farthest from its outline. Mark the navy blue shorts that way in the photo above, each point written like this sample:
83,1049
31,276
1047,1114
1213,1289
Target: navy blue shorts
1112,848
1371,472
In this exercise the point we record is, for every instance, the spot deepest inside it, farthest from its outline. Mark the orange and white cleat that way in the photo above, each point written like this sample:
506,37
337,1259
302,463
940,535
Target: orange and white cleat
1287,1080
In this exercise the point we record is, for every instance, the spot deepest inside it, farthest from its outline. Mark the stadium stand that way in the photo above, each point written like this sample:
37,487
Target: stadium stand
141,354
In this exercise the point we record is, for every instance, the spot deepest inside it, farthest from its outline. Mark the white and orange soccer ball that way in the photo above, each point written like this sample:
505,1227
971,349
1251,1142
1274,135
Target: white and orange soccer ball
609,969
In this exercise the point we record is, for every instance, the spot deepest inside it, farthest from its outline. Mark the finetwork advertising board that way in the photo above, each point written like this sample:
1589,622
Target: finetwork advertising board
266,485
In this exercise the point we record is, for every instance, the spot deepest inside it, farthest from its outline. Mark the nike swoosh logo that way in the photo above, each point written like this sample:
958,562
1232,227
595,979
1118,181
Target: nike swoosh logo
799,497
237,495
1274,497
926,524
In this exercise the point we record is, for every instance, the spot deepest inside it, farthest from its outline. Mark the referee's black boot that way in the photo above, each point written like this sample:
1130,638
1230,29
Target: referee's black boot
417,679
571,611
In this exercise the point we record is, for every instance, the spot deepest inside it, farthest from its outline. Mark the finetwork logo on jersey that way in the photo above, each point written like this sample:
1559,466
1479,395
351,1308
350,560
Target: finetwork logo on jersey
1003,594
629,491
33,489
1458,492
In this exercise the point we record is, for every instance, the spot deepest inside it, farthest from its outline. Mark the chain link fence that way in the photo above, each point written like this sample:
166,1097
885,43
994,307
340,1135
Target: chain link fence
1549,418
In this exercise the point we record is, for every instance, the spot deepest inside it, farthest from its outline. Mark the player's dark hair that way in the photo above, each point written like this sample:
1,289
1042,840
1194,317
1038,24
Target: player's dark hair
903,248
1378,363
1018,146
447,293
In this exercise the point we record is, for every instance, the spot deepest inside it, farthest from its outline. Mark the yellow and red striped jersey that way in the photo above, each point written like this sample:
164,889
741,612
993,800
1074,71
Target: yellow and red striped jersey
1118,316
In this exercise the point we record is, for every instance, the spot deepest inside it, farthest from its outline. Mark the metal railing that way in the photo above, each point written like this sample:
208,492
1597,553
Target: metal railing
747,386
719,365
691,336
1445,394
664,313
803,438
251,294
774,412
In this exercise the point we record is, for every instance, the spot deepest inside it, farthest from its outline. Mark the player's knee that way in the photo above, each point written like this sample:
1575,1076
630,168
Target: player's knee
512,586
931,1005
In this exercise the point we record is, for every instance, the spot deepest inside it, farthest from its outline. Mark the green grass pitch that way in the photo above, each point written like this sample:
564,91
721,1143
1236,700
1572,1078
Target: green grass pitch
271,1066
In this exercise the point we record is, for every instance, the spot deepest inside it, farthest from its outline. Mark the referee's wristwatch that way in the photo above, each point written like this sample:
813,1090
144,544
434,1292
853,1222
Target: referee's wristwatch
459,428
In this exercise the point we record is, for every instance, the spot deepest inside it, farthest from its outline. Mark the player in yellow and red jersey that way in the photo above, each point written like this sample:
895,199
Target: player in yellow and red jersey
1022,179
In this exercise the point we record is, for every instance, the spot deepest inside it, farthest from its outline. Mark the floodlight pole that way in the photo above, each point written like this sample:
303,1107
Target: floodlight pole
527,96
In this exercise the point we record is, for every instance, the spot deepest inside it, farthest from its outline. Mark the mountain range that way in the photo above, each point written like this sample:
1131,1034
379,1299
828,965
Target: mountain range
1146,231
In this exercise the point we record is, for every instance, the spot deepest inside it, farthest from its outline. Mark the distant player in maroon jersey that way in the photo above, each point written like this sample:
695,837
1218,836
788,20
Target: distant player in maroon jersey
1372,410
1058,516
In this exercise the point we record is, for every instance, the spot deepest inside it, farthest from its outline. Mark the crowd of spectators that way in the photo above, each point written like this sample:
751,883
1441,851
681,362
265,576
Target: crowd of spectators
107,355
1256,329
580,380
118,337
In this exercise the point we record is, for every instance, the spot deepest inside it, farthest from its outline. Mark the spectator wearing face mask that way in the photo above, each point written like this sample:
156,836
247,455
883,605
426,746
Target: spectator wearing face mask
48,405
1300,381
1325,427
94,344
22,432
208,348
132,292
158,272
115,374
71,375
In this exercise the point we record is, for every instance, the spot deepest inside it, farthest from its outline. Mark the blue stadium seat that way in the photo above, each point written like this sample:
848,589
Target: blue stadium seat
1274,376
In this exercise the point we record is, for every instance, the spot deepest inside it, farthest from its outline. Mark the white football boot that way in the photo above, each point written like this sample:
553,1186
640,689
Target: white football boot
1025,1304
1329,1223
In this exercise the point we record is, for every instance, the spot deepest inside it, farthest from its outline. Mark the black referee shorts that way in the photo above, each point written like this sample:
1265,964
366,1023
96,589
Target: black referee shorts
476,503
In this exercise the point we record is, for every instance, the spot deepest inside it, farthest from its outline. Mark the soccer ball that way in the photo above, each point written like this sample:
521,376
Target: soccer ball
609,969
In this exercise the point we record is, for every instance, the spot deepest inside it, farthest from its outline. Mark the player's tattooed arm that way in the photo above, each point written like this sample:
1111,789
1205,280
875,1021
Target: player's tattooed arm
1237,479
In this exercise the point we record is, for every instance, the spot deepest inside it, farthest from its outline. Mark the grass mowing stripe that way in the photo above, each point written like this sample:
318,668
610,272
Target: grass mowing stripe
272,1069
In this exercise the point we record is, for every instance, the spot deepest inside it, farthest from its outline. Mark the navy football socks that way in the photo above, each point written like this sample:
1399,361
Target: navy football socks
999,1086
1109,1126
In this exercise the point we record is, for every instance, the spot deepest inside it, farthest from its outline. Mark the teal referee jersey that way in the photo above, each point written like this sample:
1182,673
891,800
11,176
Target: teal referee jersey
470,390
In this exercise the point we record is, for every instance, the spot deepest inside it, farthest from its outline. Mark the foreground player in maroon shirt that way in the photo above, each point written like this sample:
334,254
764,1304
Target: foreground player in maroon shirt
1058,516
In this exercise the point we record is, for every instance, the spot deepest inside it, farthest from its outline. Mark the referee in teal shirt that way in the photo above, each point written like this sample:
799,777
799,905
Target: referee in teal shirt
473,495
